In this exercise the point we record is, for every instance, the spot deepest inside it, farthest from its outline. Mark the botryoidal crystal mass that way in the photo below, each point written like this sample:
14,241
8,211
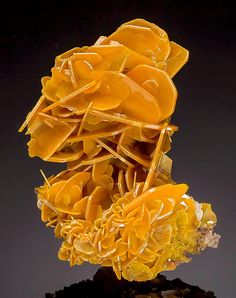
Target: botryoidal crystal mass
105,112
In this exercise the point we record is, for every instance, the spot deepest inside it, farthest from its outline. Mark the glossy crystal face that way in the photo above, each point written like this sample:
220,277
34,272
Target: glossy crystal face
105,112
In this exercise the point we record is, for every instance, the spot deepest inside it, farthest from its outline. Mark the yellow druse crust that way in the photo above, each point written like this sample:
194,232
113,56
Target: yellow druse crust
105,111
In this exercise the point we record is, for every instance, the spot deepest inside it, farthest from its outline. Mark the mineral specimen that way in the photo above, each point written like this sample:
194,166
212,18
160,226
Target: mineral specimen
105,112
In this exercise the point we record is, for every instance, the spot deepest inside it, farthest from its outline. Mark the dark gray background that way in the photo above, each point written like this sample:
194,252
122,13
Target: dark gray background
203,149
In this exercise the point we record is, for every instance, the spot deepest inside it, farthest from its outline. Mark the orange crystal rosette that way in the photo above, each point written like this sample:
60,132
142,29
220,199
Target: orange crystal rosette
105,112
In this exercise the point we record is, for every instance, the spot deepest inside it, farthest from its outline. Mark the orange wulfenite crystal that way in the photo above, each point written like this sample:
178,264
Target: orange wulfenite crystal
105,112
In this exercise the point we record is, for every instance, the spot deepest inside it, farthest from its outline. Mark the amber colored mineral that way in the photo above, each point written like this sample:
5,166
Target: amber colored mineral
105,111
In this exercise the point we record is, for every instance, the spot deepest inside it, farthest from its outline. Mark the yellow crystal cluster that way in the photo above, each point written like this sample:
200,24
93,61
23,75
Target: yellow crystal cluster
105,112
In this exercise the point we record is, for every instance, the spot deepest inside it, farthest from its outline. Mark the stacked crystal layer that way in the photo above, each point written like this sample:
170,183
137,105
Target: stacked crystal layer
105,112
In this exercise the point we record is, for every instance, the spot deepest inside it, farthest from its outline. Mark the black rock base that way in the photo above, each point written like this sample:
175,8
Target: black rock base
105,284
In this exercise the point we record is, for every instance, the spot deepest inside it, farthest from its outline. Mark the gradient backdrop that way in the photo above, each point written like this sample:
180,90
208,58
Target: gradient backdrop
203,149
